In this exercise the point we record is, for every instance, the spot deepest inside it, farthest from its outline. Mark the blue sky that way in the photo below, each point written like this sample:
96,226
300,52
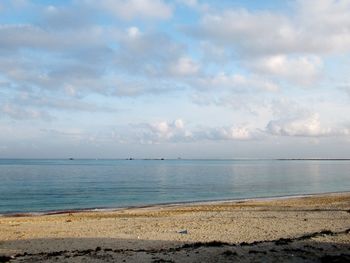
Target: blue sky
182,78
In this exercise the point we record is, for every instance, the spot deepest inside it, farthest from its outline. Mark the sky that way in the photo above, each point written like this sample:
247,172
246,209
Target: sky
169,79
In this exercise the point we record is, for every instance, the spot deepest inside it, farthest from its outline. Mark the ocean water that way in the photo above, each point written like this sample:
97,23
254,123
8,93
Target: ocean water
53,185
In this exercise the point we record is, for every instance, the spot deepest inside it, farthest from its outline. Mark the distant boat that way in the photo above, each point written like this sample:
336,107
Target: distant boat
71,159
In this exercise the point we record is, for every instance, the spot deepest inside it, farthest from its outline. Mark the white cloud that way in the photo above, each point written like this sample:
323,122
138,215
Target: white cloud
168,130
253,33
43,101
118,86
176,131
236,82
302,69
315,27
133,32
20,113
310,126
131,9
29,36
150,54
241,133
307,126
77,66
162,128
212,53
195,4
179,124
239,66
184,66
162,131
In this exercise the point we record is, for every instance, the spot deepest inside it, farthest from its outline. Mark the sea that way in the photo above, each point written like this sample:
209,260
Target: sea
43,185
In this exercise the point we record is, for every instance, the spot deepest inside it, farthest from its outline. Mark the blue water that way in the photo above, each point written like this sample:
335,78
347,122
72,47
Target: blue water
45,185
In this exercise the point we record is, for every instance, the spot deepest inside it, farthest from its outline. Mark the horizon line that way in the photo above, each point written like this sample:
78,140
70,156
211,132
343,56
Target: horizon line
169,159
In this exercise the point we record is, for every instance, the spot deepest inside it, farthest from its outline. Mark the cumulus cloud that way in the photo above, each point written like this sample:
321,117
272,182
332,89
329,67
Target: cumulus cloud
162,131
316,27
37,59
301,69
239,133
78,66
307,126
237,63
169,130
176,131
310,126
249,32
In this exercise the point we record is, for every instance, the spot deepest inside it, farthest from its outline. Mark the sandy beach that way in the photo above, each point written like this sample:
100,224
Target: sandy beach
296,229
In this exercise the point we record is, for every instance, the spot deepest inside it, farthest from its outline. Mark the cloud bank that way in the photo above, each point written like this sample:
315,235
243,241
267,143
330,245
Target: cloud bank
122,72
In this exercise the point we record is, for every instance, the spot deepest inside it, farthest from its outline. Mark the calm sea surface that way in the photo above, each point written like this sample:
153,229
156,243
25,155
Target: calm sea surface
45,185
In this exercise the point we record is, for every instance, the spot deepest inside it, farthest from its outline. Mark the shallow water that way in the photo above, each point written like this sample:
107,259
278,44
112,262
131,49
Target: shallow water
45,185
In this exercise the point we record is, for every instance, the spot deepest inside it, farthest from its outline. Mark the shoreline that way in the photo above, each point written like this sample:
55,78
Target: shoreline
312,228
164,205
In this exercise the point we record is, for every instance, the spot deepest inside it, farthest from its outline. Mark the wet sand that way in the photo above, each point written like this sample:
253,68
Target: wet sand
303,229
